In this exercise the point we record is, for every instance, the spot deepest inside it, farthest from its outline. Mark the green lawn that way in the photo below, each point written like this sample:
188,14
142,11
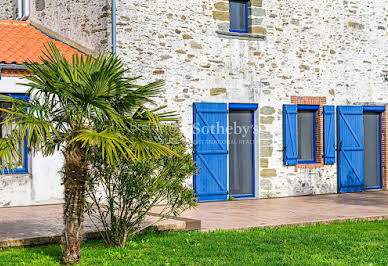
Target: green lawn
342,244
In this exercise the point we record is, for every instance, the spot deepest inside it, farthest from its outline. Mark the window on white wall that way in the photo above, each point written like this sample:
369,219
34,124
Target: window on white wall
238,13
306,135
20,162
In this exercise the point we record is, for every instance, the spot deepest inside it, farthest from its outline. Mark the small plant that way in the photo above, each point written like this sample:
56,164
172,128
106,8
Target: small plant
231,198
123,196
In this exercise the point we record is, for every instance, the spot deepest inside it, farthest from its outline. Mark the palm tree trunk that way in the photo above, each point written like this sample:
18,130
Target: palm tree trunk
74,179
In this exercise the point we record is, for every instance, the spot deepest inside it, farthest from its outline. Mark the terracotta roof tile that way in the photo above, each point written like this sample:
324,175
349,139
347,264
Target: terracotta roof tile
20,42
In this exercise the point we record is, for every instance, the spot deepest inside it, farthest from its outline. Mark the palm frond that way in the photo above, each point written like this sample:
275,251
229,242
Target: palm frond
9,153
112,144
143,114
27,118
145,149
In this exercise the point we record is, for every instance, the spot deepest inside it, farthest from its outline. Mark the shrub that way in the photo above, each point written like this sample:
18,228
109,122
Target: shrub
122,195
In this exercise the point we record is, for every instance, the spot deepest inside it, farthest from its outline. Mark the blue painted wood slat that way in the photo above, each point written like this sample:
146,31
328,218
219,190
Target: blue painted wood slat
350,148
290,148
210,151
329,134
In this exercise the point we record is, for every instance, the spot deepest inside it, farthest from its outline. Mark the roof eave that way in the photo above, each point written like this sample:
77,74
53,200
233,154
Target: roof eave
12,66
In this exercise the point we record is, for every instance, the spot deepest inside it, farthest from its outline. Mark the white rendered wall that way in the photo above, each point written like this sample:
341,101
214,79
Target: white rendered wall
43,183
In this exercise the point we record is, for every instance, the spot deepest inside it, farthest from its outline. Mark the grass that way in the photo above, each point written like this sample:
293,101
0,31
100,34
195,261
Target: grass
350,243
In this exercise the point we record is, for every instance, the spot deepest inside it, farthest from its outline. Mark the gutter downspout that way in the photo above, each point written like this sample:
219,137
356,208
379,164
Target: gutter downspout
26,10
114,45
20,10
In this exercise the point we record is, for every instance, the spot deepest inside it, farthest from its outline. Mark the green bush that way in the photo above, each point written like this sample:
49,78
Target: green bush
121,196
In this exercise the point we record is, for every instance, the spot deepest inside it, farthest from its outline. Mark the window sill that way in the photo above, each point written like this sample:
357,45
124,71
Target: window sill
308,166
14,174
240,36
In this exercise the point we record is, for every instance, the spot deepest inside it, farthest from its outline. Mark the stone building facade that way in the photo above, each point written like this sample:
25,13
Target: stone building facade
332,51
294,52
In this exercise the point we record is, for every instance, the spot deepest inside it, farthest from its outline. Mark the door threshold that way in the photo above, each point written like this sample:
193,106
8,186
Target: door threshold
373,189
240,197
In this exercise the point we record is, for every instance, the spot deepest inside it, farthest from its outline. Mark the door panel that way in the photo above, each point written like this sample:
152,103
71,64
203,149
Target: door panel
210,151
241,153
350,148
372,150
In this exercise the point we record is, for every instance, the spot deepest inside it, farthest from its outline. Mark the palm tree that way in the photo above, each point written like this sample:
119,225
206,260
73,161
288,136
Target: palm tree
73,107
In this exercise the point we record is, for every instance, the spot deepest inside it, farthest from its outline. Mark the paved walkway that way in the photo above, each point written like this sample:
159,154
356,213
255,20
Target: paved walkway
243,214
43,224
34,225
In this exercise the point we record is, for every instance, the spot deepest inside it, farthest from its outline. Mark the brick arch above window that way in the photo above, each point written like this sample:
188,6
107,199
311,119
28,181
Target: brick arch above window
255,17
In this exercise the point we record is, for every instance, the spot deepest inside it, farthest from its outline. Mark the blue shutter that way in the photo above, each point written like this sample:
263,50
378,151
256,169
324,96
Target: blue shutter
329,134
290,148
350,141
210,151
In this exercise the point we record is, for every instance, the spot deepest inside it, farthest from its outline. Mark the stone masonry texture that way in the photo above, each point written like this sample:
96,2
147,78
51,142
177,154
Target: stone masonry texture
8,9
84,22
332,49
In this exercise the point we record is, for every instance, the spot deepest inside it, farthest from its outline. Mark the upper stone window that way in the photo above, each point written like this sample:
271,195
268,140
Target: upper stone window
238,14
241,19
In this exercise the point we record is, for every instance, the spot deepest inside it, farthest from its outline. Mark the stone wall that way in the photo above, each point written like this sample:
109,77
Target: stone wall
85,22
8,9
332,49
319,48
255,21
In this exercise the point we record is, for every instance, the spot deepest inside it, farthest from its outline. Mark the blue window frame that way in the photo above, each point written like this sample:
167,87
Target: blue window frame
238,13
306,133
22,165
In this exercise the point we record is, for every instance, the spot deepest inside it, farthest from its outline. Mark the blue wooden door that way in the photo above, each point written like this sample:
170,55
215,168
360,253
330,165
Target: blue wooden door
210,151
350,148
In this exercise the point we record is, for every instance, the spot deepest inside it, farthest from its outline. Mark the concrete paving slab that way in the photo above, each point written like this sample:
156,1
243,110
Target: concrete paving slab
33,225
43,224
291,211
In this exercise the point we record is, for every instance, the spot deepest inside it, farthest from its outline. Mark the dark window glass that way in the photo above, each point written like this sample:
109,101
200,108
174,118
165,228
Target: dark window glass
372,150
238,15
240,153
306,151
